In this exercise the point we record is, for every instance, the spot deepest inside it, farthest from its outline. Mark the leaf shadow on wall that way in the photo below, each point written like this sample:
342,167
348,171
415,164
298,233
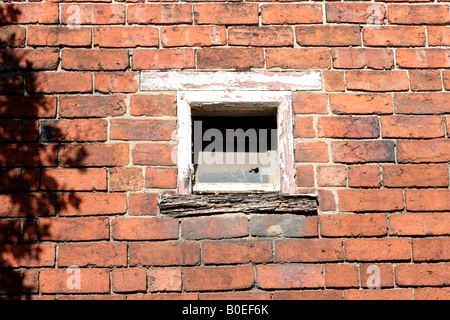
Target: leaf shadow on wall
23,155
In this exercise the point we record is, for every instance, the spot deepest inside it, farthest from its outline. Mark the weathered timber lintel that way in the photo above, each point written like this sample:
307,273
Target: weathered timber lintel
208,204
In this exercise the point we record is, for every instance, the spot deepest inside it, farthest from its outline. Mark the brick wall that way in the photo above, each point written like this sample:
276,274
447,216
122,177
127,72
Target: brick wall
84,154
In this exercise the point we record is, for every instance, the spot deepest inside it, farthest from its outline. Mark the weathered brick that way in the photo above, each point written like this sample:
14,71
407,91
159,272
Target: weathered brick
432,294
342,276
431,249
289,13
420,175
298,58
423,58
148,130
394,36
423,274
163,59
238,295
364,13
29,59
59,82
304,175
12,36
286,225
154,154
331,176
94,14
42,13
164,279
325,35
94,59
27,205
386,249
353,225
27,255
308,295
226,13
74,130
311,151
305,103
29,155
357,58
92,254
225,226
348,127
157,177
167,253
230,58
374,294
309,250
58,36
73,179
417,151
218,278
422,103
361,103
20,107
156,105
126,179
193,36
94,155
326,200
420,224
363,151
304,127
289,276
143,204
418,14
144,228
91,281
74,229
427,200
115,82
438,35
129,280
267,36
425,80
86,204
334,80
370,273
237,251
412,127
126,37
370,200
91,106
159,13
377,81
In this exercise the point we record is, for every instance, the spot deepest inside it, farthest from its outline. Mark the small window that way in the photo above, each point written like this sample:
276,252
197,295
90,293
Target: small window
235,142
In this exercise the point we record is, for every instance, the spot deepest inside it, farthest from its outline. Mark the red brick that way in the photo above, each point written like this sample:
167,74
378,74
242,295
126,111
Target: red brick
59,36
291,13
164,279
370,271
446,79
44,107
164,296
225,226
226,13
268,36
126,179
238,295
10,230
164,178
155,105
394,36
94,155
309,250
431,249
418,14
325,35
12,36
386,294
361,103
387,249
79,130
425,80
91,281
126,37
427,200
74,229
92,254
27,255
286,225
308,295
59,82
163,59
341,276
154,154
298,58
91,106
419,224
334,80
353,225
144,229
237,251
29,155
27,205
420,175
438,35
412,127
218,278
370,200
29,59
410,151
304,175
348,127
114,82
304,127
159,13
423,58
377,80
42,13
230,58
143,204
167,253
84,204
129,280
148,130
289,276
432,294
19,284
305,103
331,176
357,58
11,83
314,151
363,151
73,179
422,103
356,13
94,14
193,36
424,274
326,200
94,59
